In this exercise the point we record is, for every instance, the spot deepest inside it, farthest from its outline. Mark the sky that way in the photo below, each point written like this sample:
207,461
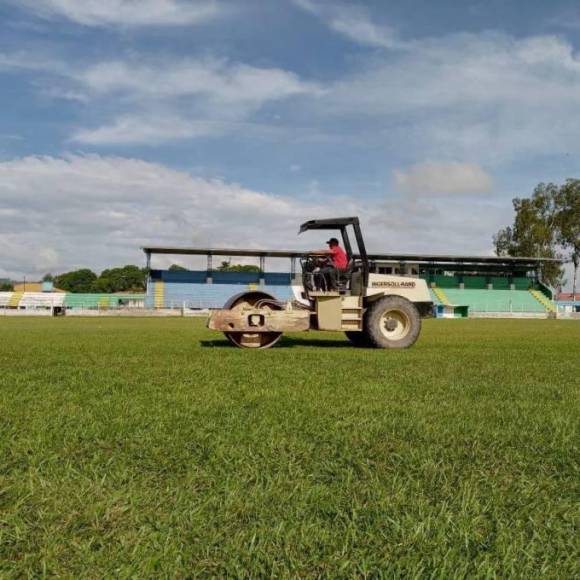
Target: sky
126,123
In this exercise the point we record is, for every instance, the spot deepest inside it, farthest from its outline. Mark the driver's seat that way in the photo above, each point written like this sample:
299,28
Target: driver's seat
344,276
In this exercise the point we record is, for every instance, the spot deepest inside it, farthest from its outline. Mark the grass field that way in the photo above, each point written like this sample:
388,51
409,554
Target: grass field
147,447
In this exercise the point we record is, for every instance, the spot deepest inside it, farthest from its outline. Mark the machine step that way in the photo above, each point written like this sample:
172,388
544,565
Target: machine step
351,313
350,316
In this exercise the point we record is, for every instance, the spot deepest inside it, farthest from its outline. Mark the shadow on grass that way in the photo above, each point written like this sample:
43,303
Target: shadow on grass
286,342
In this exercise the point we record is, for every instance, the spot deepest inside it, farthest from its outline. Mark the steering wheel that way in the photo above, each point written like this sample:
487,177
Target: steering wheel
311,262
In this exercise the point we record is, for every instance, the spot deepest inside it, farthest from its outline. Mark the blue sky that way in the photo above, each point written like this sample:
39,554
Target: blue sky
124,123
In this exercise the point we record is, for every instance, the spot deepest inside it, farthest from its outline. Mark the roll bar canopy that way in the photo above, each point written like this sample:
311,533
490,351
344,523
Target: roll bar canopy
329,224
341,224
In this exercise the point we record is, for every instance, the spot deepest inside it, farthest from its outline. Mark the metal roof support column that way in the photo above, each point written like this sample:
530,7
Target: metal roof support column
208,275
262,270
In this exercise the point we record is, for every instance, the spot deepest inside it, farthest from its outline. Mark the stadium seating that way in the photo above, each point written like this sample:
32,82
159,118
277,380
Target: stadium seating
434,297
445,281
83,300
100,301
189,289
495,300
479,282
15,299
440,295
475,282
235,277
178,295
543,300
34,300
500,283
522,283
5,299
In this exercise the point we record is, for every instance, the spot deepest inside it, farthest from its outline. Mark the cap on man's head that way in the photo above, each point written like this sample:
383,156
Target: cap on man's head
332,241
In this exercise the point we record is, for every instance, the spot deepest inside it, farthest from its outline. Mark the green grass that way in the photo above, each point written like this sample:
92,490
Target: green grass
145,447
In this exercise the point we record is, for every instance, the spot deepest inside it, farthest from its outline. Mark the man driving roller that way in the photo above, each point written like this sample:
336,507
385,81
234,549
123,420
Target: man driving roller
338,262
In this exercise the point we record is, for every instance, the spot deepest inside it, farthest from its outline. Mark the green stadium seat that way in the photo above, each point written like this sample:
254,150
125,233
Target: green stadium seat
495,300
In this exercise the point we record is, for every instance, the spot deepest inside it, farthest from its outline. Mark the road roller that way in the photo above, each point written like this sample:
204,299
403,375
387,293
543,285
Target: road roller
373,310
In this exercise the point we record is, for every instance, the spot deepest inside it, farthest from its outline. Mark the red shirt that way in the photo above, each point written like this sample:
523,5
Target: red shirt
339,258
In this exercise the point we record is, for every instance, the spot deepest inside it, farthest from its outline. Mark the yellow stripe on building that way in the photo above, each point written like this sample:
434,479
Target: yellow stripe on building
442,296
15,299
159,294
543,300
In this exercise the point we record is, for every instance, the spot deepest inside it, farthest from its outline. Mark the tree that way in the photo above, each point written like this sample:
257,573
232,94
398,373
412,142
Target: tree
535,231
227,267
48,277
125,279
177,268
568,221
6,287
78,281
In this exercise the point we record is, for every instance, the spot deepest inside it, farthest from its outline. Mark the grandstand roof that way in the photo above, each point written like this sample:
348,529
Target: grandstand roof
568,297
224,252
414,258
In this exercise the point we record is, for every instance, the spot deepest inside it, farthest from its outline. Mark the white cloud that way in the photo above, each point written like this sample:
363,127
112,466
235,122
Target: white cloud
146,130
442,225
24,60
489,97
126,13
61,213
468,71
443,178
164,100
182,100
358,28
219,80
352,22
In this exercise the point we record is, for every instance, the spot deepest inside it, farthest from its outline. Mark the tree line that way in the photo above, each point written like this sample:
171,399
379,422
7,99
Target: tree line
128,278
125,279
546,225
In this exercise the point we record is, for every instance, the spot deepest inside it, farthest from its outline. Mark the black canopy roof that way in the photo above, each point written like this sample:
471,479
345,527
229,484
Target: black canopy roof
394,257
328,224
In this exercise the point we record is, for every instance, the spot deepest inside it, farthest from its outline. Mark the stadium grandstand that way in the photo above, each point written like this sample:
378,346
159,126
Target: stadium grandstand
568,303
59,302
460,286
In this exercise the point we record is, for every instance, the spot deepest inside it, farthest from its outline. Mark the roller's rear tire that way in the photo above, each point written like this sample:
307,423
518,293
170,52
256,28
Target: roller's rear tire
393,322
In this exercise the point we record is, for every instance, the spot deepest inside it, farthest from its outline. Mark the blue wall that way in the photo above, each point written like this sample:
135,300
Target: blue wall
179,292
200,276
